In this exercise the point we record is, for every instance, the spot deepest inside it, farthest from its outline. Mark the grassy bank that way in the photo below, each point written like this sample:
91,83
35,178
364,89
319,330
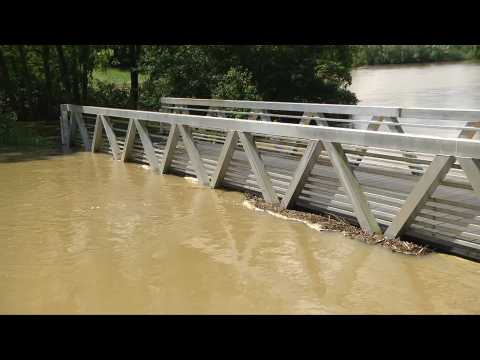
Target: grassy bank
116,76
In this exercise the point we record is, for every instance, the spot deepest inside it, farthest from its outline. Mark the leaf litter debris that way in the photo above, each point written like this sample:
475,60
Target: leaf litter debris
335,223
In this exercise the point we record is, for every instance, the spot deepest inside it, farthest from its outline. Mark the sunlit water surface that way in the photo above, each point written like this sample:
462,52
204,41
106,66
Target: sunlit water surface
81,233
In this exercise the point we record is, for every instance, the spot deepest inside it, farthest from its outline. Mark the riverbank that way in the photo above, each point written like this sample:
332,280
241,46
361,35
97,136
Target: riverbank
413,54
416,64
29,134
334,223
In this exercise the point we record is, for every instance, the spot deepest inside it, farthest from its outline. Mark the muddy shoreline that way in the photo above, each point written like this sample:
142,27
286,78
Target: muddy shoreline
335,223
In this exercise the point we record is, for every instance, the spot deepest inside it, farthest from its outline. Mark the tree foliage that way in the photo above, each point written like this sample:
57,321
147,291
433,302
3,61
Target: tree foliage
35,79
280,73
237,83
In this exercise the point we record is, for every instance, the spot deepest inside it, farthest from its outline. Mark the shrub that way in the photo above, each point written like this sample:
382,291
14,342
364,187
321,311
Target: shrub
237,83
109,94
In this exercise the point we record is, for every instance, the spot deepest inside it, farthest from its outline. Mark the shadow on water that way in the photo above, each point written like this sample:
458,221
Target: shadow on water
10,154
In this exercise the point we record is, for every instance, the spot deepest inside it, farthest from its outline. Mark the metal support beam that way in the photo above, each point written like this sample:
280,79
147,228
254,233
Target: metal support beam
210,112
258,167
65,128
78,119
265,117
62,131
406,154
370,127
305,166
471,167
214,111
352,187
396,129
307,121
97,134
129,140
73,127
256,116
305,118
181,111
147,144
421,192
169,150
224,160
470,134
112,138
193,154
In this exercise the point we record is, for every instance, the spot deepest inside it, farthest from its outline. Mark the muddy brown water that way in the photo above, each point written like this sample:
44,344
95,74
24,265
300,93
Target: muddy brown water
81,233
439,85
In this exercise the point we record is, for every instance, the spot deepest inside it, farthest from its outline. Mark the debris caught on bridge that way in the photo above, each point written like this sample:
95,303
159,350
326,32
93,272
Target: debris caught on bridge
335,223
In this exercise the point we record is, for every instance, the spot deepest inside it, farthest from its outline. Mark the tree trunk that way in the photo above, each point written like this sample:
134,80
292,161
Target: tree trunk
65,76
134,51
6,82
83,57
48,79
75,76
19,87
27,79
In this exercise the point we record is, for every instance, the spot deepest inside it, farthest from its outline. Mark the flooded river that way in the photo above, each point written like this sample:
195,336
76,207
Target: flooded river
81,233
444,85
441,85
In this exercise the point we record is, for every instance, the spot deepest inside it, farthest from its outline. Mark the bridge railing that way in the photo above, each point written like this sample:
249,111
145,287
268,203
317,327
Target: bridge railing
391,182
440,122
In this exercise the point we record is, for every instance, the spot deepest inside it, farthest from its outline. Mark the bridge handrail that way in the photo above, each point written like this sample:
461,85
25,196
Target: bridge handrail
418,113
287,106
458,147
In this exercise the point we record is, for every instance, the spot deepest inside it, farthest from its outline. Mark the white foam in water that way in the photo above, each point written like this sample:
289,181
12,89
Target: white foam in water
145,167
250,206
192,180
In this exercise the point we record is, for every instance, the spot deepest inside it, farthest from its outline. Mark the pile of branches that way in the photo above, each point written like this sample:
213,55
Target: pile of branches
335,223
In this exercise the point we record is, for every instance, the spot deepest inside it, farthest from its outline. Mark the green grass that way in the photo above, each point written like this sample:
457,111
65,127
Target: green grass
116,76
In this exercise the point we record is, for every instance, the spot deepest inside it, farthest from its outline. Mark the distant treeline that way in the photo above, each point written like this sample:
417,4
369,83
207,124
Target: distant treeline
410,54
